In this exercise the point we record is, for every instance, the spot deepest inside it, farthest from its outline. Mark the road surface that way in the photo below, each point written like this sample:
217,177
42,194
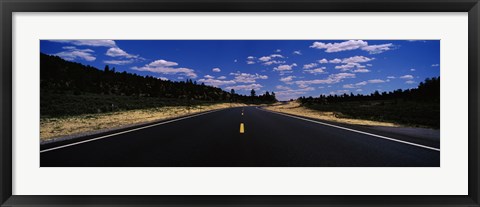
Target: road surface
269,139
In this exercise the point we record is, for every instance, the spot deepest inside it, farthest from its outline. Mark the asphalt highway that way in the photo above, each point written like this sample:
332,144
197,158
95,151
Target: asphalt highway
269,139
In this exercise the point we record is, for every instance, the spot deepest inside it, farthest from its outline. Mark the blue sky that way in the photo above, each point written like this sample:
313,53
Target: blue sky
290,68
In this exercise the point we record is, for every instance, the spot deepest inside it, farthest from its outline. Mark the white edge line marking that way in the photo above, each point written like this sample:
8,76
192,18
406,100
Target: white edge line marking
123,132
353,130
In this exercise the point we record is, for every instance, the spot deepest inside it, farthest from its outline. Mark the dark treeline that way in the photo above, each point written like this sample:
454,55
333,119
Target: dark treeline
428,91
413,107
60,76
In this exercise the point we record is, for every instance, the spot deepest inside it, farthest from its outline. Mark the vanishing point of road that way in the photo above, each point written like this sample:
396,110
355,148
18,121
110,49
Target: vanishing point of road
243,137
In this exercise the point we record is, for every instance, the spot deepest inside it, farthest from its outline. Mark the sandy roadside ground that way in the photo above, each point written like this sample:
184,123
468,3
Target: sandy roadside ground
52,128
294,108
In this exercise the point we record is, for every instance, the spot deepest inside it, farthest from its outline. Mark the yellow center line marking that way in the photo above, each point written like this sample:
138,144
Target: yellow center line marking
242,128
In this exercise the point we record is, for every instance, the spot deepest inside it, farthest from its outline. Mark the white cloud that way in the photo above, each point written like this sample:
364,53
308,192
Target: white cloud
356,85
69,48
352,45
273,62
409,82
376,81
72,53
287,80
117,52
342,75
361,83
284,67
310,65
166,67
412,69
113,51
93,43
247,78
222,78
406,77
348,66
316,70
435,65
297,52
339,92
216,70
162,63
336,60
269,60
357,59
349,86
251,60
163,78
331,79
376,49
265,58
209,76
303,86
288,93
245,87
280,87
278,50
180,78
354,62
359,90
391,77
118,62
323,61
342,46
235,60
361,71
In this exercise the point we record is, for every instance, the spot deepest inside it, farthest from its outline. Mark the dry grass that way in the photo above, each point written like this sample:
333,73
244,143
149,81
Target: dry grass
294,108
51,128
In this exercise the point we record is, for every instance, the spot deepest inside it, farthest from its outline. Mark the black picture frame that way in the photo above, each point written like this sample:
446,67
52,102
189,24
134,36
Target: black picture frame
7,7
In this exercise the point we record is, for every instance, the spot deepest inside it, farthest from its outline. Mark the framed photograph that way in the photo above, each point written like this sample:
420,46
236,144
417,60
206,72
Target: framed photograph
190,103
